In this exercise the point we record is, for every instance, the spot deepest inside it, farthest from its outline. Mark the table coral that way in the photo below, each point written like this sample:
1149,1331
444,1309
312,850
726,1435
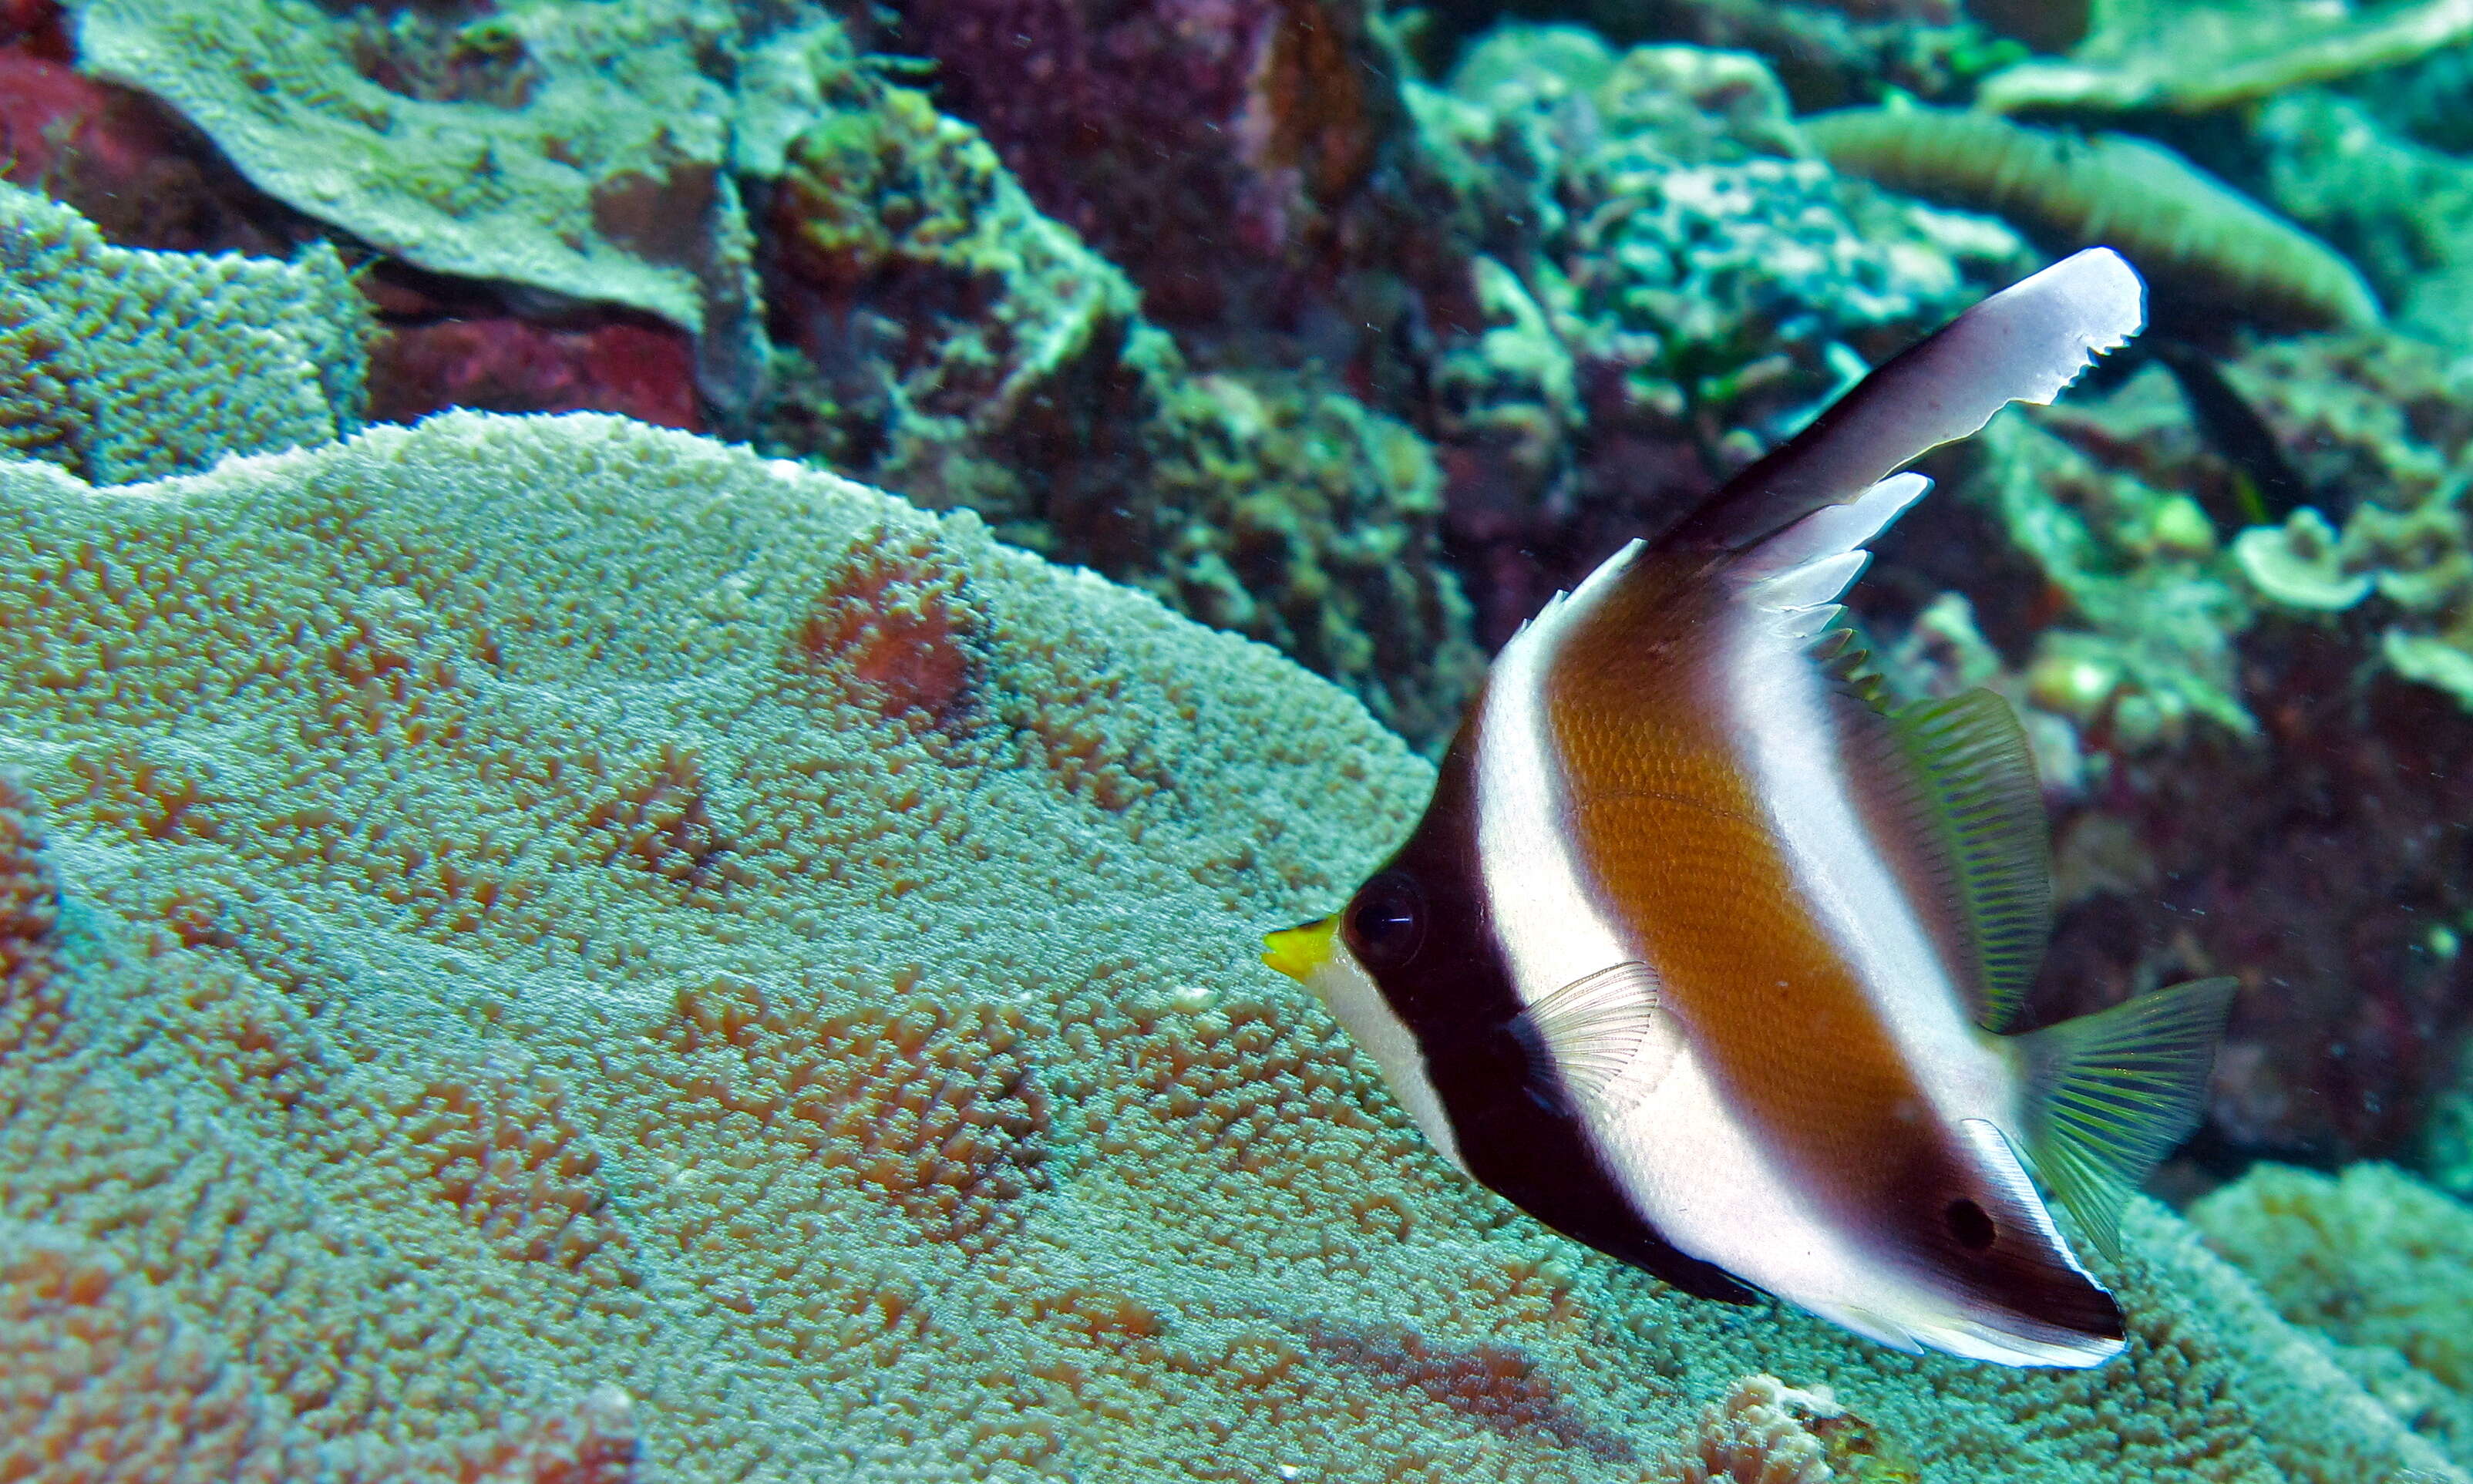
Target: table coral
584,148
2193,59
123,364
550,908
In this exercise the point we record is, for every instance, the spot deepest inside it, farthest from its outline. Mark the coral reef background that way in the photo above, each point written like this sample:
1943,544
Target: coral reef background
401,873
615,958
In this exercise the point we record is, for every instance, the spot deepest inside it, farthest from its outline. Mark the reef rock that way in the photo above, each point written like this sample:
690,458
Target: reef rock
1697,284
1253,165
2245,734
942,337
558,947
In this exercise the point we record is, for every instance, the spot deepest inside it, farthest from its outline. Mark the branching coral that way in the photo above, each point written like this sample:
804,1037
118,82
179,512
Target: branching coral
125,364
2204,246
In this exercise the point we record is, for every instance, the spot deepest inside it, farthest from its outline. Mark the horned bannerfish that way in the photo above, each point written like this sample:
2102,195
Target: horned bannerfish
1708,956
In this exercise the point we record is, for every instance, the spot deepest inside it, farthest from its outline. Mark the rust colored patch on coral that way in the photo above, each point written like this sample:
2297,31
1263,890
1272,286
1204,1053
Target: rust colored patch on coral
249,1042
103,1382
896,625
663,825
1498,1384
508,1157
930,1108
140,795
665,219
626,364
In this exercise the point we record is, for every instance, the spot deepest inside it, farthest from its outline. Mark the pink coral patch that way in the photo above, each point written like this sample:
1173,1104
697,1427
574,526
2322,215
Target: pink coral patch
898,625
632,365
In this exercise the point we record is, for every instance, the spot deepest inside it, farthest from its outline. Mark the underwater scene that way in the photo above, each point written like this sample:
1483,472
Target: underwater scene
1305,741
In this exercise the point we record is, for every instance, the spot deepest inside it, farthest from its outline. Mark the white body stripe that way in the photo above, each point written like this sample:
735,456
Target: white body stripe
1356,1002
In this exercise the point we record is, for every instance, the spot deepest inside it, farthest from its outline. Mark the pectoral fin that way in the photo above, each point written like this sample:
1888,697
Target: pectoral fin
1595,1035
2109,1094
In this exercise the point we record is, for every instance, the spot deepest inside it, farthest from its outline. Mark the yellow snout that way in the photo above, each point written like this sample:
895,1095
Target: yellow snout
1298,952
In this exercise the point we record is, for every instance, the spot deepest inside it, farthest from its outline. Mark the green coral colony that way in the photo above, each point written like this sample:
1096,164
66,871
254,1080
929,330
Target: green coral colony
660,662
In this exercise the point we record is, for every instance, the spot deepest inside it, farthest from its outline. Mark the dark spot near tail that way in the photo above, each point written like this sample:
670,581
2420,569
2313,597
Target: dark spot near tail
1970,1225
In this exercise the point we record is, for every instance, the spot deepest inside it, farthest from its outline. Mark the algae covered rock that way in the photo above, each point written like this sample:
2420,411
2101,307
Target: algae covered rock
947,339
563,945
124,365
1703,281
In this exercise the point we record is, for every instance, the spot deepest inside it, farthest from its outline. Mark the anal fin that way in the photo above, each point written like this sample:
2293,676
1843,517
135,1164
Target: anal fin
2109,1094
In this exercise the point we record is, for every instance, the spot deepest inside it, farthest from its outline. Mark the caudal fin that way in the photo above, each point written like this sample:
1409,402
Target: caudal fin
2023,344
2109,1094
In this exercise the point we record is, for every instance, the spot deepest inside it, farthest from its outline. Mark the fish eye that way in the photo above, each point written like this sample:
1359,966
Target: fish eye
1386,922
1970,1224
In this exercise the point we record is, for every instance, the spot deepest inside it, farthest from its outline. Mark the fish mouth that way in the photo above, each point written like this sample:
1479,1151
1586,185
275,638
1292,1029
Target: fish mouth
1299,952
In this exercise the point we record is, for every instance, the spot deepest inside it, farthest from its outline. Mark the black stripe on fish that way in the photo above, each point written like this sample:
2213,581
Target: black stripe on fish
1422,932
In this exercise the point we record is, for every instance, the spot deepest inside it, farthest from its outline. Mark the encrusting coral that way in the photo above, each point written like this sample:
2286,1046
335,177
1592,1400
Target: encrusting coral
2206,249
125,364
548,905
1764,1431
1698,284
2373,1260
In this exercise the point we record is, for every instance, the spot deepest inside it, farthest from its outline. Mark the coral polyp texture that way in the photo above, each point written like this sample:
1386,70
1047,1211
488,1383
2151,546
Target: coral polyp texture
553,947
122,364
2373,1260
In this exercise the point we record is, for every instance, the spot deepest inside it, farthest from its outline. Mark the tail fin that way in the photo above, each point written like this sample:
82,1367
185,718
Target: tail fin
2023,344
2109,1094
